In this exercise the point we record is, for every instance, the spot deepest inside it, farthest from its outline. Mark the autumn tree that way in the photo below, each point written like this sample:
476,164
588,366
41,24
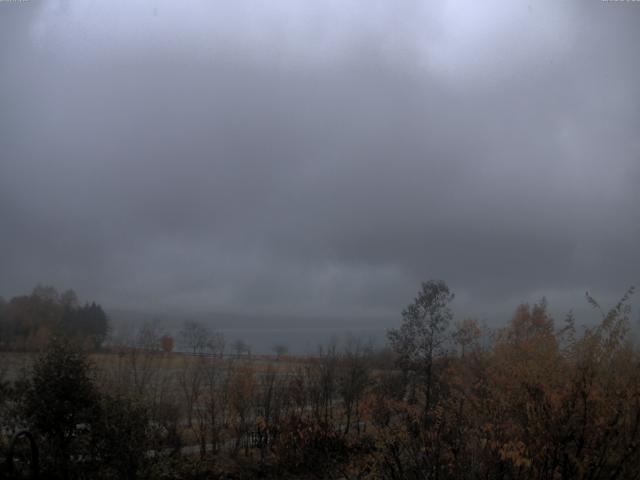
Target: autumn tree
29,321
33,318
167,343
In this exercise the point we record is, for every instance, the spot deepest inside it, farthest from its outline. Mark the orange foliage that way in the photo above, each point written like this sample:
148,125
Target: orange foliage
167,344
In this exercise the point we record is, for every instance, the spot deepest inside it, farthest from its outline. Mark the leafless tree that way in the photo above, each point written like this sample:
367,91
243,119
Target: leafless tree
190,378
241,392
213,403
322,378
241,348
194,336
280,350
353,379
216,344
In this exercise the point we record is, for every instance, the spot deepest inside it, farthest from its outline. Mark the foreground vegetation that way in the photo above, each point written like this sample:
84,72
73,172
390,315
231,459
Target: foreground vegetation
531,400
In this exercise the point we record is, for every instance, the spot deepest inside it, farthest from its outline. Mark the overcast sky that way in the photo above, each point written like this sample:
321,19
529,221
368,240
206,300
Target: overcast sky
319,158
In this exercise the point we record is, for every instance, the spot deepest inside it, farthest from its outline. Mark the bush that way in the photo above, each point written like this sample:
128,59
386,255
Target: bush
121,438
58,403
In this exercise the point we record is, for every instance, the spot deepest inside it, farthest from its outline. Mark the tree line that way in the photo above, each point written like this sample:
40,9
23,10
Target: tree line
28,322
445,399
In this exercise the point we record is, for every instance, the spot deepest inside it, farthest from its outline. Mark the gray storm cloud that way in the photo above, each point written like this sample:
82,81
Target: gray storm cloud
319,157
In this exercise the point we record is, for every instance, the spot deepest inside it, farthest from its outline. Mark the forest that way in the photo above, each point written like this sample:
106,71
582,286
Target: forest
27,322
444,399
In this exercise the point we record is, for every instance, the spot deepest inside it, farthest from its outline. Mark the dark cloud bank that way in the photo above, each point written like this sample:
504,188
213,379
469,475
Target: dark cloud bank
318,160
